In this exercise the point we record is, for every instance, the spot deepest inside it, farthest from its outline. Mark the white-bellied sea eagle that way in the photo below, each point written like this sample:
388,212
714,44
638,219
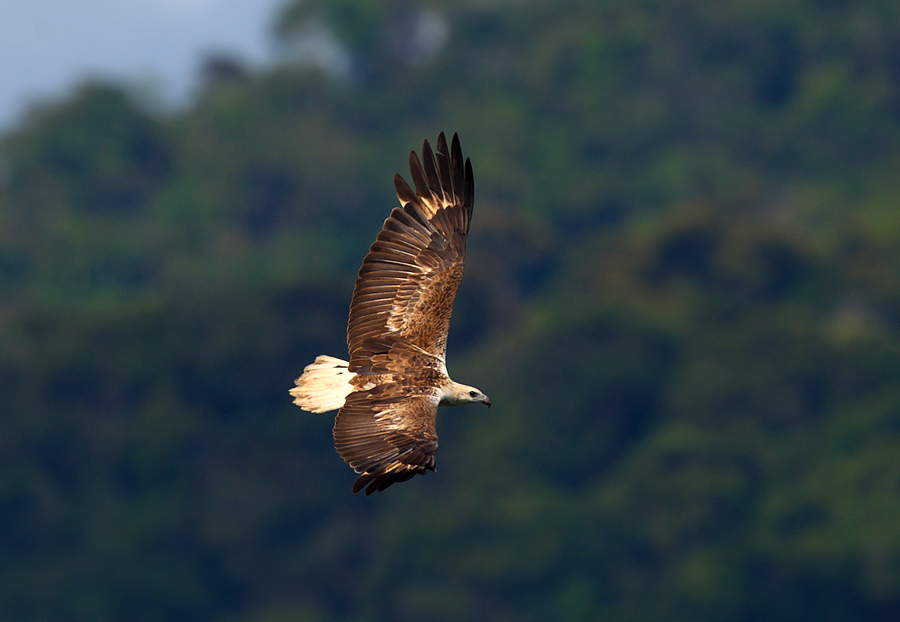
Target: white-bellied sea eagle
389,392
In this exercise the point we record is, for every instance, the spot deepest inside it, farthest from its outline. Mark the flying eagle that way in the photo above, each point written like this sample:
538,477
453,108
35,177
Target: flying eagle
389,392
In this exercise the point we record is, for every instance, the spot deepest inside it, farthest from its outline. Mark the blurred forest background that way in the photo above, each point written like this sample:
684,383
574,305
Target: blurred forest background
682,295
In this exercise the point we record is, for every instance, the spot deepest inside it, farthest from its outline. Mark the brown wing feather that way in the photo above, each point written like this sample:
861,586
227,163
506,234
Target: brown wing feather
386,435
408,282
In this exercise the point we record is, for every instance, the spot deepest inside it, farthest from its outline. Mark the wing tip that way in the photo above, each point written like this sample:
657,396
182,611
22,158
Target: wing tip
438,177
404,193
381,481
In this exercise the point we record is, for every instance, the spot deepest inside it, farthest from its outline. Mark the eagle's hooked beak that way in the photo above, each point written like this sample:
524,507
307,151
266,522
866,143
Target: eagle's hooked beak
486,401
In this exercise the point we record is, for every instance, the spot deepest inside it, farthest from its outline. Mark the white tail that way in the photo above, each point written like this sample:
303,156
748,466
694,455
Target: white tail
324,385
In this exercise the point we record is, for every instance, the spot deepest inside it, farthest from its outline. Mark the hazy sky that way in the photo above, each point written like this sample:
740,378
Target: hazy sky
47,46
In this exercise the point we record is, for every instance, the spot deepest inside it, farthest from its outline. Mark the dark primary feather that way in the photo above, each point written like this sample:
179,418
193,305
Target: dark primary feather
399,318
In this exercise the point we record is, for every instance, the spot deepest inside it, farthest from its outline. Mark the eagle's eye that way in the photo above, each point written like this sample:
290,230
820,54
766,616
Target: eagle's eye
472,393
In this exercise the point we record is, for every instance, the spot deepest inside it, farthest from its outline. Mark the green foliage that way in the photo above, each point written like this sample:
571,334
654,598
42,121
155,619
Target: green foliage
680,294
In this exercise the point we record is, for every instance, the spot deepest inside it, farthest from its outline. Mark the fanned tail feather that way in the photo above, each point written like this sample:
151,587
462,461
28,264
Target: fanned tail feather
324,385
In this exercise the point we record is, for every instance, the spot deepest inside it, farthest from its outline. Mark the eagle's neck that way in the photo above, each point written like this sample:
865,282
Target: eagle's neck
454,394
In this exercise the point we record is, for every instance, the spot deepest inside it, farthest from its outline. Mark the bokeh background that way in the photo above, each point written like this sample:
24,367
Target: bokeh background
682,295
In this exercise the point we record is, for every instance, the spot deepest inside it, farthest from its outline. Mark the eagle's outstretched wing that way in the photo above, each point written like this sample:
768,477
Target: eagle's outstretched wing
386,435
408,281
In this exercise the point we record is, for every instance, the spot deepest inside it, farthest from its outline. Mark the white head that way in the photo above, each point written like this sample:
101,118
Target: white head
456,394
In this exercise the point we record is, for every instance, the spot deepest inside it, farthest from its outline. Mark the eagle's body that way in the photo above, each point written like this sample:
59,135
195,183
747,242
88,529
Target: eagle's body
389,392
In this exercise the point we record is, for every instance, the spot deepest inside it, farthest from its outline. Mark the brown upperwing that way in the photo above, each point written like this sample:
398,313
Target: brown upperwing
401,307
386,435
408,281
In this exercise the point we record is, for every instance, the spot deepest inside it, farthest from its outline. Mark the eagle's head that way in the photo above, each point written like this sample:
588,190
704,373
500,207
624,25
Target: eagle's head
457,394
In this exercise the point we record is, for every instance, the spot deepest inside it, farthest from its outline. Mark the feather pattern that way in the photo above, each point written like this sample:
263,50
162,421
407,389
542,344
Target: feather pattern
407,283
387,436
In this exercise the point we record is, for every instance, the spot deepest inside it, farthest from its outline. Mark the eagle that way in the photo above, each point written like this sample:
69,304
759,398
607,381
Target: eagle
389,392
